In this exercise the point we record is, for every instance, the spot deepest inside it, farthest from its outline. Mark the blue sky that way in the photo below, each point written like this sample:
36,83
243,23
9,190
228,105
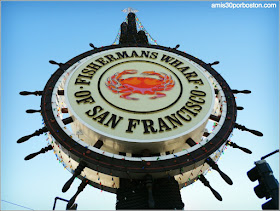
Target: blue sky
245,41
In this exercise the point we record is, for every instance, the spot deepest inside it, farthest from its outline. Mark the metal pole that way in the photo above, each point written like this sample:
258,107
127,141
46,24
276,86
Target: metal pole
262,158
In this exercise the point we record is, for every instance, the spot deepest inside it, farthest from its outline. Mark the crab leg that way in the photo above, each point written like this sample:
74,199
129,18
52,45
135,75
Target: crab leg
169,86
154,73
115,79
158,95
125,72
113,83
126,96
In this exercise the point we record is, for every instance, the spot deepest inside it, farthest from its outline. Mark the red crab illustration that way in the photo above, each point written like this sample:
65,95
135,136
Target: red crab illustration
141,85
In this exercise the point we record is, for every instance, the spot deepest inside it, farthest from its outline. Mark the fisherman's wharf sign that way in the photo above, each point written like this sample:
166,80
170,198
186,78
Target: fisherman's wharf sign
139,94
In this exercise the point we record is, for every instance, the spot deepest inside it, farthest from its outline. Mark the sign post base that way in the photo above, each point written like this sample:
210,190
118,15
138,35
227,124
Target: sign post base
161,193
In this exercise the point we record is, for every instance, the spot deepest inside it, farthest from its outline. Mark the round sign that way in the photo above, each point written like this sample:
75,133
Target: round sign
139,95
127,111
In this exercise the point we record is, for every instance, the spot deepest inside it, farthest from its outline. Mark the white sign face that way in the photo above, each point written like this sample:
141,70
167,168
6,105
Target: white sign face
139,94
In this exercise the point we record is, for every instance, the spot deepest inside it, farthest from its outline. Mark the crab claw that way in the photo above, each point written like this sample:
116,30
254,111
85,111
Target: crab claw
129,71
161,75
149,73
